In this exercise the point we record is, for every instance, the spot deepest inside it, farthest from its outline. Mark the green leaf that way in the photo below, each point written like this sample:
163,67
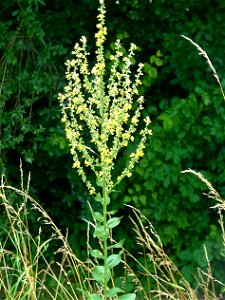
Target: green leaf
112,212
143,199
117,245
156,60
99,198
129,296
88,295
96,253
158,53
107,200
128,280
99,232
98,274
99,183
151,71
113,222
113,292
98,216
113,260
127,199
94,297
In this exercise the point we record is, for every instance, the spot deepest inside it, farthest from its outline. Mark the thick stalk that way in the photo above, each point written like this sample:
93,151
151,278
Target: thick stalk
105,250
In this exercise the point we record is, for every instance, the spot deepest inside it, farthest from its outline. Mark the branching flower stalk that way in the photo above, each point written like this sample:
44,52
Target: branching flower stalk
98,113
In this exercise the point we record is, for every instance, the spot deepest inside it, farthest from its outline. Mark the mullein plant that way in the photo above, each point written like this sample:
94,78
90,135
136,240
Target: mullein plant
98,113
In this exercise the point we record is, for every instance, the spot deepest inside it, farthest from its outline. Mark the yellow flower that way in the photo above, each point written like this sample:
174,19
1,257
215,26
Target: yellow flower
139,153
134,120
96,110
87,163
92,191
147,121
76,164
83,68
126,136
80,147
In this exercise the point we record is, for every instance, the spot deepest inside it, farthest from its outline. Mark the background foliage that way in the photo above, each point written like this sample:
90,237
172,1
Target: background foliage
182,99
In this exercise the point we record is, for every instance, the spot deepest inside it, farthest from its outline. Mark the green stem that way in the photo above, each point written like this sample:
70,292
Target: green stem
105,252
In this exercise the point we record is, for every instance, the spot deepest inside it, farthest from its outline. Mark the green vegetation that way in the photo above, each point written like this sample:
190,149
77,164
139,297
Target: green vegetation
187,113
27,273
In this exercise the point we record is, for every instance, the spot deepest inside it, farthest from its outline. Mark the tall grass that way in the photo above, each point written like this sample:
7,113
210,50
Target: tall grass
26,273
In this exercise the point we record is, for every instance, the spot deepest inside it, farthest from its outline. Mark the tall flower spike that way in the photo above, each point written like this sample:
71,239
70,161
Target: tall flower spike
98,112
100,120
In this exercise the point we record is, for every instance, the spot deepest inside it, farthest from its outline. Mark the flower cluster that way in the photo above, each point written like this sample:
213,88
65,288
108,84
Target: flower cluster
98,112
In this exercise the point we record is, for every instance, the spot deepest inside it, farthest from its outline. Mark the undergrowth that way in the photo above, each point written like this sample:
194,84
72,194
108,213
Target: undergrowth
26,273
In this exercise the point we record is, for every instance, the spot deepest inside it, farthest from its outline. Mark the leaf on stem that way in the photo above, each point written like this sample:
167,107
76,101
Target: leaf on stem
113,260
129,296
99,232
98,274
94,297
117,245
100,199
112,212
107,200
113,222
96,253
99,183
98,216
113,292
